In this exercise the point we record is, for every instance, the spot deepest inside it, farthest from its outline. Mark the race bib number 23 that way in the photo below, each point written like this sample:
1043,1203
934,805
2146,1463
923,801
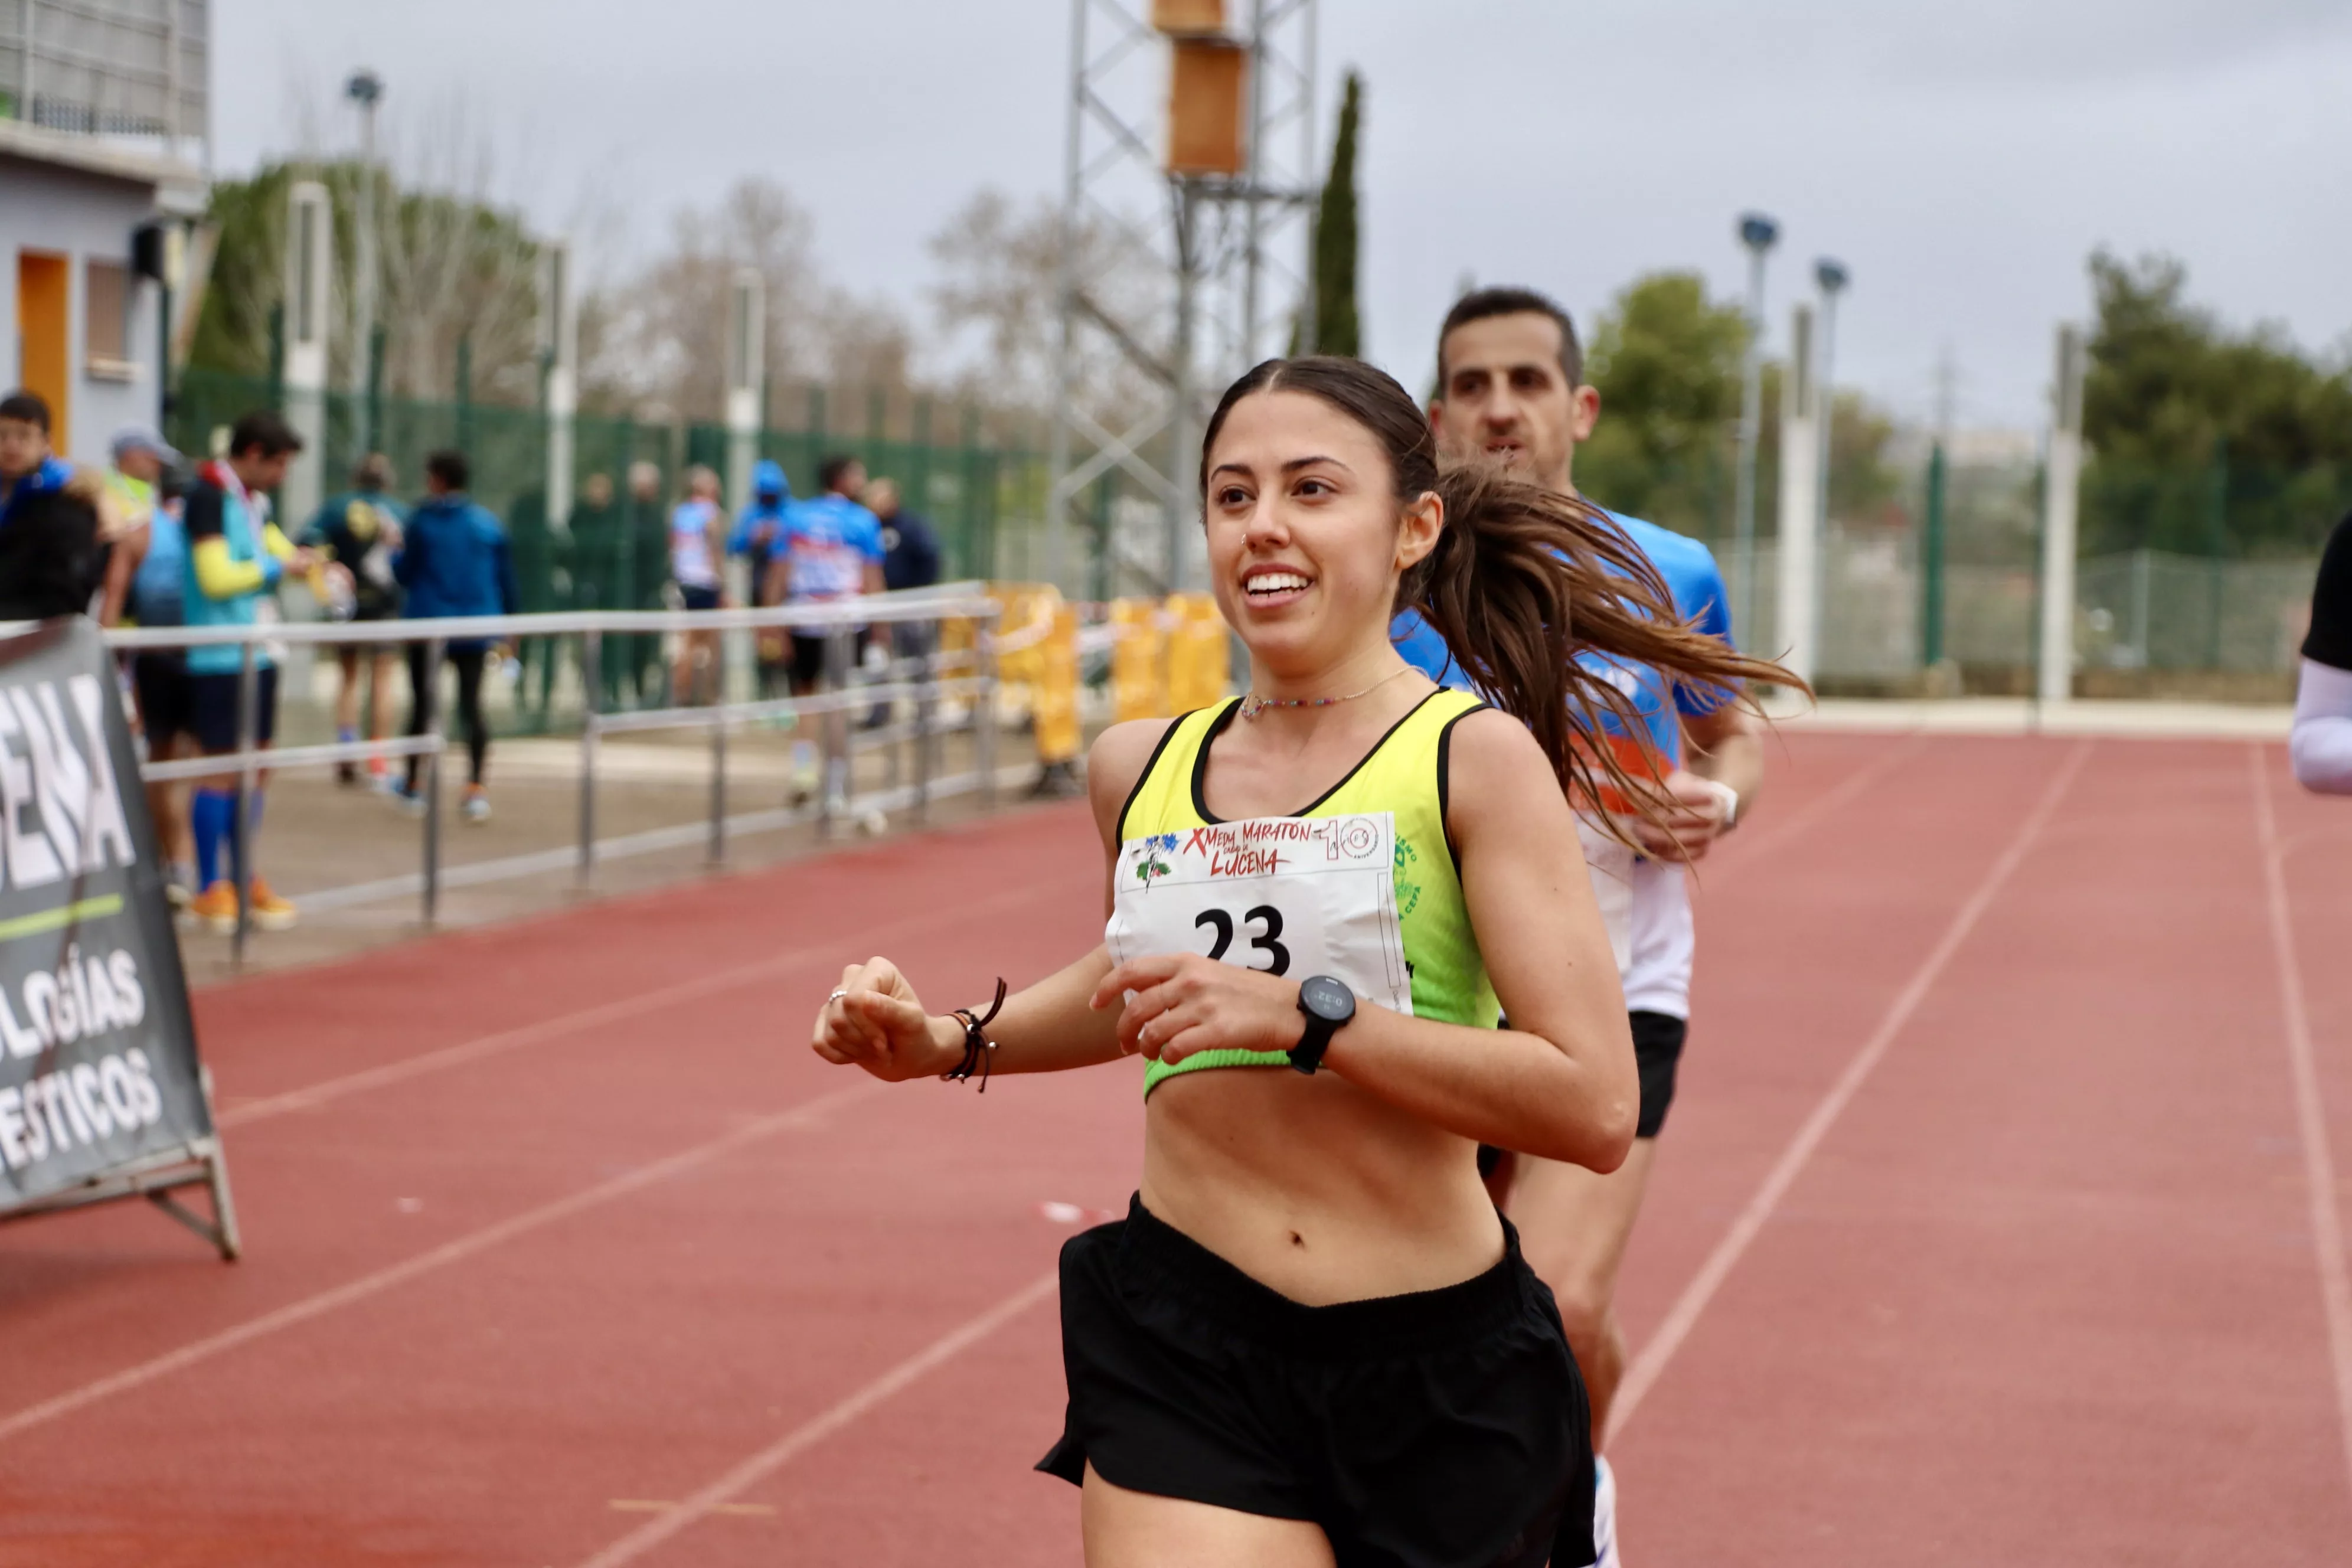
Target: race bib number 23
1293,896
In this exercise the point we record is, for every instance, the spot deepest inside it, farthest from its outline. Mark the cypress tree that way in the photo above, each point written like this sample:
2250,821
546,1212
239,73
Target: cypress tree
1336,329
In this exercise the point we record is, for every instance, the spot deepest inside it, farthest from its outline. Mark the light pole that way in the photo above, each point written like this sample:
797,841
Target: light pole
1833,278
1758,232
365,89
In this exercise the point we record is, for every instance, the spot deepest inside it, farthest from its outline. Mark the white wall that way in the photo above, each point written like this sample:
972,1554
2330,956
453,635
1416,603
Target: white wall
84,216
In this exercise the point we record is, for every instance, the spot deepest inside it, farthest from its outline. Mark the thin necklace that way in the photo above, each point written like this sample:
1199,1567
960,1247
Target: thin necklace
1253,704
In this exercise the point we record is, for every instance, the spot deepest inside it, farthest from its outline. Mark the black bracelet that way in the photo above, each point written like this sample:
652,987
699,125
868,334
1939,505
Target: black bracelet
978,1050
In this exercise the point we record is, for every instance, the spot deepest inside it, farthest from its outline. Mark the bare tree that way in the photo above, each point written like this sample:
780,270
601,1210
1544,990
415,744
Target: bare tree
1000,269
659,337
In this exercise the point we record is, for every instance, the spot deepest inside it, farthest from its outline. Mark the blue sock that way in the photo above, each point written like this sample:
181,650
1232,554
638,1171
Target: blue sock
346,734
210,812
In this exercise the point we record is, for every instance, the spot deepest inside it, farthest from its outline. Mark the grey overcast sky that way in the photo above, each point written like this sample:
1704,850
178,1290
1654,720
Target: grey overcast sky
1961,160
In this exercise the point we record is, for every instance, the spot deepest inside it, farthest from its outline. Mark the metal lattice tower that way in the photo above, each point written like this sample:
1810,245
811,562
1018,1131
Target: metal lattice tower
1187,277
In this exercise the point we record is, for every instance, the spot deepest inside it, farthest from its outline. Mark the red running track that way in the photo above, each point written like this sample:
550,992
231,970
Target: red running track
1999,1217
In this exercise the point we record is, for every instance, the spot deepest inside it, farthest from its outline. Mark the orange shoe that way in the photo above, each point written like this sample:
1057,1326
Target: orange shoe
270,912
216,907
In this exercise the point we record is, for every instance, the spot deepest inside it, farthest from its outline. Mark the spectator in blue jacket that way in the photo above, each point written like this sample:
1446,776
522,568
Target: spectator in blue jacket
454,560
759,536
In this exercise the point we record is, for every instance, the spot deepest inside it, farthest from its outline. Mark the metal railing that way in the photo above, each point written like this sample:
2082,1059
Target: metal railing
934,676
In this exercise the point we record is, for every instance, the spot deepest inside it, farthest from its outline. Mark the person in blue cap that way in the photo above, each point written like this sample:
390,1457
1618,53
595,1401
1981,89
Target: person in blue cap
758,534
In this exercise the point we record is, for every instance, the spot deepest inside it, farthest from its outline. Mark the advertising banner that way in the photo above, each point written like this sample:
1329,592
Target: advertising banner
101,1095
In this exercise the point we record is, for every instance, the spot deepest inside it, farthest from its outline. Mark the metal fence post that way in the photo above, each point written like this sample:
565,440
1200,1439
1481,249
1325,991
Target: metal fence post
431,697
926,695
591,644
983,734
240,833
719,749
834,723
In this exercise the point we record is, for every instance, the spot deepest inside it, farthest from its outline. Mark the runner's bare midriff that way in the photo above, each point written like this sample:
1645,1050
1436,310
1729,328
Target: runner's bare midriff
1314,1188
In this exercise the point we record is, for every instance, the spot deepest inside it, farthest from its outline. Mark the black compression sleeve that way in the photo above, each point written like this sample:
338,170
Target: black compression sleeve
202,516
2330,638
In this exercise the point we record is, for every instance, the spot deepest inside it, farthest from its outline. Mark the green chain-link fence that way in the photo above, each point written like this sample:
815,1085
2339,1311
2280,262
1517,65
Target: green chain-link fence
2204,566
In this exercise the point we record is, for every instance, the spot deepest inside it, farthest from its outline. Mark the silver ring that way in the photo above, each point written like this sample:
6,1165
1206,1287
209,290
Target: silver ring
838,993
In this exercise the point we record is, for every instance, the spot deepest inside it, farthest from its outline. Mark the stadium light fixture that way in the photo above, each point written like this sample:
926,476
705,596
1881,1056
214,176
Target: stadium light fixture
1833,278
365,89
1758,234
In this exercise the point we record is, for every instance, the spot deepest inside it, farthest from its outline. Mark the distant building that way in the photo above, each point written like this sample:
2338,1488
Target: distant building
103,120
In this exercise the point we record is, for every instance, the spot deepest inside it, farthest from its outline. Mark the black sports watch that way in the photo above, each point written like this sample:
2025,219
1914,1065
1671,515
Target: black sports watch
1327,1004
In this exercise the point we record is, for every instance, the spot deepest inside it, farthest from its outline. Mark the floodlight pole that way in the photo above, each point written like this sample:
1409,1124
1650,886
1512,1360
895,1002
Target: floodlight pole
2053,681
1758,232
1219,244
1833,278
365,89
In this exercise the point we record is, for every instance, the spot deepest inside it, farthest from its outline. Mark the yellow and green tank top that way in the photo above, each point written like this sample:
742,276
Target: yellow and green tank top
1403,774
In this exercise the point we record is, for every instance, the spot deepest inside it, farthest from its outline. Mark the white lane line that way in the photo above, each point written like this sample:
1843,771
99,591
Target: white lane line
1779,832
546,1029
1651,1363
722,1492
2310,1110
296,1313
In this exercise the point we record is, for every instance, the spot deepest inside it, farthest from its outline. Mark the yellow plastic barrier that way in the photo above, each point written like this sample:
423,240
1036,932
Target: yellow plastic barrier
1055,702
1199,653
1138,661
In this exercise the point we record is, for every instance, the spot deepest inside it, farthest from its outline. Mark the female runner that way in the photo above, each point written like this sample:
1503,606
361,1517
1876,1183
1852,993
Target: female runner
1312,1341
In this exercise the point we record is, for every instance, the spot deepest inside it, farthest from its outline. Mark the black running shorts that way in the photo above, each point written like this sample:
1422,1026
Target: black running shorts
1443,1430
159,681
211,708
1657,1057
808,658
1657,1052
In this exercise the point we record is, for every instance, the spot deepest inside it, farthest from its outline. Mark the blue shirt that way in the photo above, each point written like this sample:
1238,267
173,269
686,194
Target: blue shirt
1696,584
455,560
831,540
51,474
159,588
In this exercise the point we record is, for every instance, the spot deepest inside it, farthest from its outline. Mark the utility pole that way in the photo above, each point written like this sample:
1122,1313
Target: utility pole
365,89
1758,232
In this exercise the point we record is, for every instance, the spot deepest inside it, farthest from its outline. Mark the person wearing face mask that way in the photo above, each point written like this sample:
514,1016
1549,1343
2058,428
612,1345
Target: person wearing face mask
1511,391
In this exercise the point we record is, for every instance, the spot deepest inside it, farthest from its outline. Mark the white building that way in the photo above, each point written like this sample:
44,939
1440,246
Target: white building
102,115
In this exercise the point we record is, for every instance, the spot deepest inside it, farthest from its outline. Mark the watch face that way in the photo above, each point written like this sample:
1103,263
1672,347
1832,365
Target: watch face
1327,998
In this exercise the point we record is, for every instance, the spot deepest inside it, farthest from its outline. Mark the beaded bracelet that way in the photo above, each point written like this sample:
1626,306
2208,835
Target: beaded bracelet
978,1050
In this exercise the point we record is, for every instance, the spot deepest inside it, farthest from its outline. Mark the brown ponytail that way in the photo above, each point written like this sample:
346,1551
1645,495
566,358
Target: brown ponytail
1522,581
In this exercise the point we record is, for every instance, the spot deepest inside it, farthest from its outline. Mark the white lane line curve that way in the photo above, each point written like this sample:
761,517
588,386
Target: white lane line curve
2310,1109
295,1313
751,1471
1651,1364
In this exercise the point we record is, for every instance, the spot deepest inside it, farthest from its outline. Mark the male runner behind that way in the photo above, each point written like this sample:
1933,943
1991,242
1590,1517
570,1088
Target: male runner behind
145,584
2321,743
758,536
49,536
235,558
1511,388
698,553
832,551
361,530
